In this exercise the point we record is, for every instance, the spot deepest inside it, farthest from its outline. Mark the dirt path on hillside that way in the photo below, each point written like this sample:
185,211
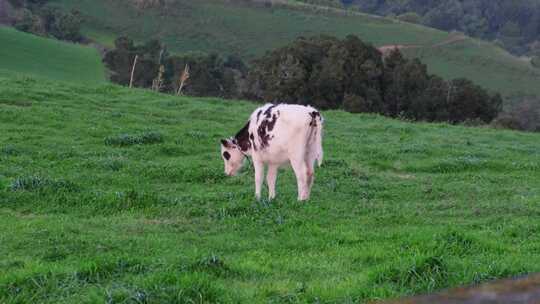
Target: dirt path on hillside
454,38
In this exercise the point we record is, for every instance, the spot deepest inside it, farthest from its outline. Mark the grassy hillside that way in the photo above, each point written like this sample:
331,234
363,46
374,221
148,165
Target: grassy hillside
226,27
116,195
32,55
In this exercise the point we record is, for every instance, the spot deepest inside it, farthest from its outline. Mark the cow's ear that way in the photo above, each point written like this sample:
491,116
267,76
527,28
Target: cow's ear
225,143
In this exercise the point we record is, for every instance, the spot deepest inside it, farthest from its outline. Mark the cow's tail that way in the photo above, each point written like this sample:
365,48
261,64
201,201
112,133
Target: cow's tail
318,140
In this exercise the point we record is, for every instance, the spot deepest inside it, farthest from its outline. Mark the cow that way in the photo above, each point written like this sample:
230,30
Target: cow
274,136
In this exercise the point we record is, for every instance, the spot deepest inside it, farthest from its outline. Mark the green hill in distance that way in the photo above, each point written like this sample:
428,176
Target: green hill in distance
115,195
250,30
28,54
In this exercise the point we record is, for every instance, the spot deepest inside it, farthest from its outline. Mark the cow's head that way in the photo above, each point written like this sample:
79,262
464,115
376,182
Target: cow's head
232,156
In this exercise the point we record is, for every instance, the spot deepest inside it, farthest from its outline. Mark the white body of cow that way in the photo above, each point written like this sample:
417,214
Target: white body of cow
276,135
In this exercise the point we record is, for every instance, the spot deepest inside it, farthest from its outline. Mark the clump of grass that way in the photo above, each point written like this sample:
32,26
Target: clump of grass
125,140
17,103
212,265
100,271
173,150
198,288
455,243
197,134
425,273
40,284
113,163
38,183
10,150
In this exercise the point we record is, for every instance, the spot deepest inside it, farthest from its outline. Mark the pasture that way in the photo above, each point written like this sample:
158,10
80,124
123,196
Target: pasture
28,54
119,196
235,27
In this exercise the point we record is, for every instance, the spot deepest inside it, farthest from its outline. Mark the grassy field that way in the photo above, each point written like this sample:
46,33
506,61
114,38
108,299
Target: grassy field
118,196
225,27
48,58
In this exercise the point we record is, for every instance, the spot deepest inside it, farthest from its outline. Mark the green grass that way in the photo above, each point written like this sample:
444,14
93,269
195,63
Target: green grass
232,27
48,58
118,196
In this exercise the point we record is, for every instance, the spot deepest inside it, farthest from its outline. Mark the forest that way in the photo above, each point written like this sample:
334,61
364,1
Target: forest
514,24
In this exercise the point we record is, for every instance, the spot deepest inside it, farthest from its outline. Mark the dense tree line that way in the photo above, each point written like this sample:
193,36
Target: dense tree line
331,73
209,74
514,24
35,17
322,71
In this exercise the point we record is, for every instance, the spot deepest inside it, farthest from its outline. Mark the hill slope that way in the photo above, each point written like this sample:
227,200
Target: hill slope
32,55
116,195
236,27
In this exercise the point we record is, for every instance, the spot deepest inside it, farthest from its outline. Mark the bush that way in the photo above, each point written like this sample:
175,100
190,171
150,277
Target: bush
46,21
26,21
63,26
354,104
535,61
525,116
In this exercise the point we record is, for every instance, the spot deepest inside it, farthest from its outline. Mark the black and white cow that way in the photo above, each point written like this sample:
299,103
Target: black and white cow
276,135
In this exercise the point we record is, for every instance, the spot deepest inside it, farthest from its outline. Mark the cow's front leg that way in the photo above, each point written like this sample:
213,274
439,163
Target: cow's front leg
259,175
271,177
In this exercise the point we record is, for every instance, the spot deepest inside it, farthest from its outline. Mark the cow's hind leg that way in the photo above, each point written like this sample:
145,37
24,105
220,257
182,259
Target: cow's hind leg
259,175
312,154
271,177
310,175
300,170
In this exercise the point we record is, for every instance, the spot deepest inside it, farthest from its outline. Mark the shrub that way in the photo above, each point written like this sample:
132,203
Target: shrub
26,21
535,61
355,104
47,21
525,116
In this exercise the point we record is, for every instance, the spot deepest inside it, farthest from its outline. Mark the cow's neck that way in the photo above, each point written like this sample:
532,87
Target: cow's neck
242,139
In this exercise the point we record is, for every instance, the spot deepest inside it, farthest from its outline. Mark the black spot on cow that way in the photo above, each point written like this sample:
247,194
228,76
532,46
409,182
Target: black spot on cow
242,138
268,112
266,126
258,115
252,138
314,116
272,122
225,143
226,155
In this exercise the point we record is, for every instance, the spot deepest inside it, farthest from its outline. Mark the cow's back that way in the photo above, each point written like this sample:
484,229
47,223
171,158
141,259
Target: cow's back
274,129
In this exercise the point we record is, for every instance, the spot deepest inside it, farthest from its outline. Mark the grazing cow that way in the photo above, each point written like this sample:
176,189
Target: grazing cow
273,136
